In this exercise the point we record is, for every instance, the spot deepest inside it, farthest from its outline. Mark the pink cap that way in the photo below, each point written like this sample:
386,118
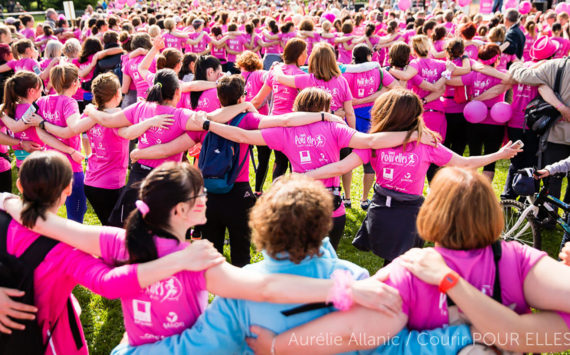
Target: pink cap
543,48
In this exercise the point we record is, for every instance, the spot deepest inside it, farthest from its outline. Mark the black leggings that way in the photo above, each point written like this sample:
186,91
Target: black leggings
6,181
456,136
126,202
102,200
263,155
485,139
337,230
281,164
220,216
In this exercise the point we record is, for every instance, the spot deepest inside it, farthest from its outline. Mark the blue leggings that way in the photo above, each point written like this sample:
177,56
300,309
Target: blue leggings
76,203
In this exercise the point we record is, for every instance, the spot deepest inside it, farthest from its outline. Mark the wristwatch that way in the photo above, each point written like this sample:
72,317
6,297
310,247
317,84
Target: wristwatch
42,125
448,281
206,125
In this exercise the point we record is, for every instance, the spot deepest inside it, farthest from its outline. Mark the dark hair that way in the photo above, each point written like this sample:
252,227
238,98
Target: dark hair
25,19
286,28
360,53
230,89
455,48
188,59
91,46
166,186
556,26
439,33
141,40
165,85
47,31
104,88
169,58
489,51
203,63
468,30
216,31
273,26
43,176
347,27
370,28
17,87
21,45
293,50
399,55
306,25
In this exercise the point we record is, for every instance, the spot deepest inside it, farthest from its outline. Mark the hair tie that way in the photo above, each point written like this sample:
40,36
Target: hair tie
126,40
159,84
142,207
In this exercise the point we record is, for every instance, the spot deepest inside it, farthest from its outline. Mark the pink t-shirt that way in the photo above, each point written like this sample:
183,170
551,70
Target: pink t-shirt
42,38
283,95
200,46
404,171
522,96
209,101
124,62
344,55
171,41
165,308
236,44
472,51
27,64
285,37
83,66
527,46
132,70
367,83
426,306
275,49
56,109
62,269
43,65
564,47
142,111
429,70
439,46
219,53
311,41
504,60
310,147
109,159
450,27
29,33
254,83
449,104
249,122
477,83
29,134
5,164
337,87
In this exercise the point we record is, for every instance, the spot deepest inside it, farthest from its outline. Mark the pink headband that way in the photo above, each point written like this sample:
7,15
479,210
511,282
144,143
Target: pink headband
489,61
142,207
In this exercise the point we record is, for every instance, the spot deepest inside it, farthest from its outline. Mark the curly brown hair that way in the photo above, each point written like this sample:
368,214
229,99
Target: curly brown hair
292,217
249,61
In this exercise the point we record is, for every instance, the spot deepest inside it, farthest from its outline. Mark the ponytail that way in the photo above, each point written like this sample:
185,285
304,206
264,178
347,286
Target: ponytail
43,177
94,30
165,85
139,239
166,186
16,88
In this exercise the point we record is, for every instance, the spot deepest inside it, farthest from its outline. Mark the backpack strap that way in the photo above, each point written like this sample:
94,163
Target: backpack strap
381,79
36,253
497,253
235,122
558,80
73,325
5,220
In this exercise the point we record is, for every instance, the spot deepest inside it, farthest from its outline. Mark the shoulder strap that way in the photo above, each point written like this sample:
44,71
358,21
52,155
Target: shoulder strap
497,253
237,120
37,252
558,80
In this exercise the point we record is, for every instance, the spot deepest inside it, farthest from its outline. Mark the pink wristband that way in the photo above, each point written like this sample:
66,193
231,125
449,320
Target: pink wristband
340,295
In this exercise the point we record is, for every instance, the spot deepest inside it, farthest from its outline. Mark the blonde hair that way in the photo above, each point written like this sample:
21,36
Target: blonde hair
62,76
169,24
154,31
71,48
497,34
322,62
104,87
312,100
461,211
421,45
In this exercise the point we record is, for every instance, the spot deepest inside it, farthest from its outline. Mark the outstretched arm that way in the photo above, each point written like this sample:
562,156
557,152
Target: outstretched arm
351,162
506,152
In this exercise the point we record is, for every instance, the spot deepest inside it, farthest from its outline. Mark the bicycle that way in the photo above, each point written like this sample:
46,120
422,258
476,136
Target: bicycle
522,223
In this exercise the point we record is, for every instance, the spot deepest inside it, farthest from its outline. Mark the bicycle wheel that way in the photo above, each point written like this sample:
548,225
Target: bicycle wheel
527,232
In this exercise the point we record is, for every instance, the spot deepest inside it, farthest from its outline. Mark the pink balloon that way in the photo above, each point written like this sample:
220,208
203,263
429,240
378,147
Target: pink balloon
463,2
501,112
122,2
566,7
119,5
404,5
131,3
525,7
475,111
561,7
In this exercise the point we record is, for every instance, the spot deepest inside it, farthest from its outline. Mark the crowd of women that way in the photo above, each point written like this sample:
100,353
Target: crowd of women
118,109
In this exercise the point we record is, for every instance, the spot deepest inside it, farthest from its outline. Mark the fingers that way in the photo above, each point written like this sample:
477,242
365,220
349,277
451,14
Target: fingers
24,308
6,321
20,315
4,330
12,292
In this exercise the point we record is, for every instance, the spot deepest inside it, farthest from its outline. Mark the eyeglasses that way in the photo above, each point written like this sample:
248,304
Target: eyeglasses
203,194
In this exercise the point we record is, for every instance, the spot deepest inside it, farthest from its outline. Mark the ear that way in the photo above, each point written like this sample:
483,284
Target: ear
67,191
19,186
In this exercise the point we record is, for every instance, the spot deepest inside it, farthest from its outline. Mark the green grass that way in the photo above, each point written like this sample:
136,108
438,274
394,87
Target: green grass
102,319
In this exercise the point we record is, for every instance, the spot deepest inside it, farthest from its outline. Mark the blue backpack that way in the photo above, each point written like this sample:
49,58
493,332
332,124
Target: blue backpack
219,161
